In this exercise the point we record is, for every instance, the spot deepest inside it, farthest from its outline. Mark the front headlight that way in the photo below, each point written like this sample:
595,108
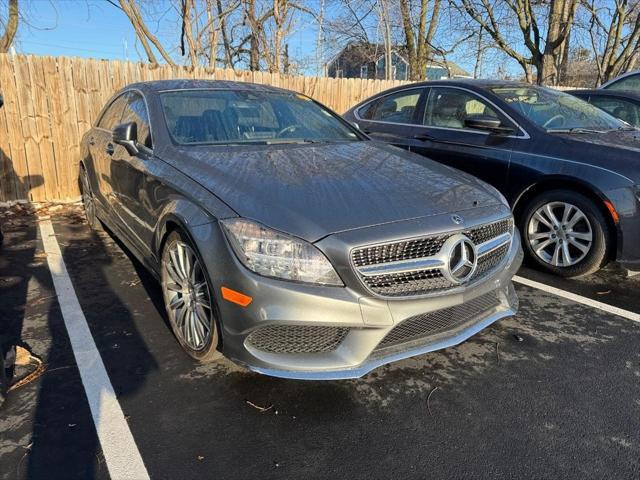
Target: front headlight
274,254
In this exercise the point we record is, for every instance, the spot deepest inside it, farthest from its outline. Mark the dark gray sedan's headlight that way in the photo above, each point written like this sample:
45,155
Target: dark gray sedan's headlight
274,254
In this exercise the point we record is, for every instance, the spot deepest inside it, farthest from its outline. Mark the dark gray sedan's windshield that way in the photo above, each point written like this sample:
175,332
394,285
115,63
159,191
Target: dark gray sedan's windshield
248,117
557,111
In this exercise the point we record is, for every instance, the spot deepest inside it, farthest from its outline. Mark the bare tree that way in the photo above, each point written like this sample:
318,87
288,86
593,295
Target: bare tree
419,43
543,25
130,8
614,32
10,26
384,15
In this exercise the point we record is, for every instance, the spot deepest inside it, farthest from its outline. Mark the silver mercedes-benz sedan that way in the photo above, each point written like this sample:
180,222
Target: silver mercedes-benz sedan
287,240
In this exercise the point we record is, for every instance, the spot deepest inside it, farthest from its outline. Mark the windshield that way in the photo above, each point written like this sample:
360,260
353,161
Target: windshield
247,117
557,111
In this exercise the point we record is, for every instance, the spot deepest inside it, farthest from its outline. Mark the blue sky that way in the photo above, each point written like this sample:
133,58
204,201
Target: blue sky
96,29
76,28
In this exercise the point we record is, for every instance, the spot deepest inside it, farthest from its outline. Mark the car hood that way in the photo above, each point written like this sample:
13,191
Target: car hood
625,139
312,191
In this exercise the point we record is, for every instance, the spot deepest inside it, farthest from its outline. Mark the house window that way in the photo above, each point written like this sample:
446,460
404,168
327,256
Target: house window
364,71
339,73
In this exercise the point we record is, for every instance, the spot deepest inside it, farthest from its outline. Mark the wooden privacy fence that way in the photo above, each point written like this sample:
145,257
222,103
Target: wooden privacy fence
49,102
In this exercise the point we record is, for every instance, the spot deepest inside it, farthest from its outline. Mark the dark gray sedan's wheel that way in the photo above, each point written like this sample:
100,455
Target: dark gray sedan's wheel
565,233
89,201
188,299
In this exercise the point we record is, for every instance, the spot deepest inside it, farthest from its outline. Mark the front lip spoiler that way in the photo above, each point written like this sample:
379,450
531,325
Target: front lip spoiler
372,364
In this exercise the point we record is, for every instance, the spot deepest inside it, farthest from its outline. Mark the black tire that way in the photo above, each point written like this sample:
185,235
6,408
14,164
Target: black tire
88,200
597,255
208,351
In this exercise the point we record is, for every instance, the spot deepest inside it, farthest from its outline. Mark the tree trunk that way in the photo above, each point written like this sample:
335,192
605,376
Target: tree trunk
225,37
188,31
254,41
561,14
213,37
11,27
388,61
286,66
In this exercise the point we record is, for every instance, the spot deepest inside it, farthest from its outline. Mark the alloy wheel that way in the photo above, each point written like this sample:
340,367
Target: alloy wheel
186,295
560,234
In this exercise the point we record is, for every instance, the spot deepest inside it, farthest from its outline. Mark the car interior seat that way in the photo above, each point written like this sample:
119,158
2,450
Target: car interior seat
449,111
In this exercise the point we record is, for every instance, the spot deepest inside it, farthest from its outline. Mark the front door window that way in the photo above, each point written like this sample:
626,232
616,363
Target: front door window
450,107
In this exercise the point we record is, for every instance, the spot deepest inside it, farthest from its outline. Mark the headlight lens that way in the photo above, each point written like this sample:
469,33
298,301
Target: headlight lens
274,254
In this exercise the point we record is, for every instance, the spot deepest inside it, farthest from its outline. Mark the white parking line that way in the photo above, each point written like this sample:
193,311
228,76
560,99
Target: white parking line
634,317
118,446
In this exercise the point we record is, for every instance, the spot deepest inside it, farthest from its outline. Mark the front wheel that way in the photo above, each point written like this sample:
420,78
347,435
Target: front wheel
188,299
565,233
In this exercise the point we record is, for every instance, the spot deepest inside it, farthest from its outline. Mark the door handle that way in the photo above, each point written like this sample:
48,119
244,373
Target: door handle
110,148
92,141
423,138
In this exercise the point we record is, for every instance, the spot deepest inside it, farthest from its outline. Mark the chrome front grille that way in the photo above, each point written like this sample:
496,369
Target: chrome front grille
416,267
432,323
392,252
297,338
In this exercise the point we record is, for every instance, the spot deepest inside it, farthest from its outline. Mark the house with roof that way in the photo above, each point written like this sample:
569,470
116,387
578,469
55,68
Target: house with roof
367,60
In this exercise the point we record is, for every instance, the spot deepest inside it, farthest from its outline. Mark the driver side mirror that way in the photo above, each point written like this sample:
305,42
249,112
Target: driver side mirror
126,135
488,124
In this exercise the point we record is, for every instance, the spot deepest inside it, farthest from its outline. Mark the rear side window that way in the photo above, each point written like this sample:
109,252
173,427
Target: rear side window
399,107
136,111
112,115
632,82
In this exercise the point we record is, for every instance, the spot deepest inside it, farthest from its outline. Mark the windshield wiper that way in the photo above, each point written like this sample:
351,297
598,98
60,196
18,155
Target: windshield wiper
292,140
574,130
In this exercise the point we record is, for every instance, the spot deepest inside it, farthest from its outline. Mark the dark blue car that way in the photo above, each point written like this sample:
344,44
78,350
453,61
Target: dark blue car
569,170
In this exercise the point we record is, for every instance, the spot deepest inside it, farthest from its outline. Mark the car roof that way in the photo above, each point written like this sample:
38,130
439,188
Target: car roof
620,77
157,86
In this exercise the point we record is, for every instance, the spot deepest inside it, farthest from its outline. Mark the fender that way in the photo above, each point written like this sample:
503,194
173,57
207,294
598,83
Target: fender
183,214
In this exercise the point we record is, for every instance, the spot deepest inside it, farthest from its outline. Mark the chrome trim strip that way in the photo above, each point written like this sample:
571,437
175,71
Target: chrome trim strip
493,244
401,266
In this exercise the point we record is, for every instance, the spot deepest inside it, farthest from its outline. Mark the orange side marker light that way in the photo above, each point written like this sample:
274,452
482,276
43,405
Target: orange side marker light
236,297
612,211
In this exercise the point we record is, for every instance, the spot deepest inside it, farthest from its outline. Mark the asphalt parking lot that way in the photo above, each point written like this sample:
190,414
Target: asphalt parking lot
551,393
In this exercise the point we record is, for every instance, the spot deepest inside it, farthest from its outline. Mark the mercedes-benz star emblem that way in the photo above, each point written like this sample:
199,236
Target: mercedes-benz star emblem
462,258
457,219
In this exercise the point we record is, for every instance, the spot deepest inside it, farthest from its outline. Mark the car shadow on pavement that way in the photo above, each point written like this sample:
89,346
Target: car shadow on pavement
64,440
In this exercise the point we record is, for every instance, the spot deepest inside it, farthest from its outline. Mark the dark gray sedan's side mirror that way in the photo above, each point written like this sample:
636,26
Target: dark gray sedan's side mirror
487,123
126,135
1,101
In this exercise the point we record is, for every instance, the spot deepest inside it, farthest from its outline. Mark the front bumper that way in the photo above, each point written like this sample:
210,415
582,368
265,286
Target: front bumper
367,319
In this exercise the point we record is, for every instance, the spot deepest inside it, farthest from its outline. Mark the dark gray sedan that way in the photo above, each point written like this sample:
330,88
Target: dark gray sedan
285,239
